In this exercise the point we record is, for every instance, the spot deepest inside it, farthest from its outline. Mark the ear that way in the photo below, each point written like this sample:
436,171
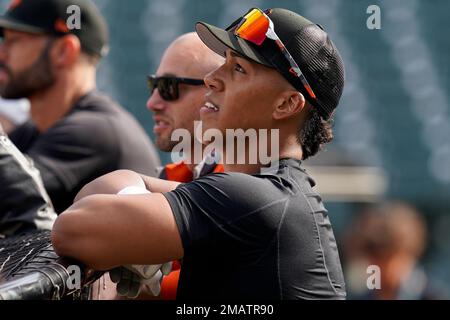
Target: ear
66,51
290,104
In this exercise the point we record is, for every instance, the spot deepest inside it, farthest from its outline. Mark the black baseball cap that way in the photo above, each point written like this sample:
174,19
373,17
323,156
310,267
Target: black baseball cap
307,42
51,16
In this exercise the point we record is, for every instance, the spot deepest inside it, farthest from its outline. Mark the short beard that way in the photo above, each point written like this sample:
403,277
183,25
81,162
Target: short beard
37,78
165,145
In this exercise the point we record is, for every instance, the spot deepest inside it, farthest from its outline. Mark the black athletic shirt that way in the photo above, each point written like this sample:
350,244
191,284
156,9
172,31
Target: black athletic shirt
96,137
264,236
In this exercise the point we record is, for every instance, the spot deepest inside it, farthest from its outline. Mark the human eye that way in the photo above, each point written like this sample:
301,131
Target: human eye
239,68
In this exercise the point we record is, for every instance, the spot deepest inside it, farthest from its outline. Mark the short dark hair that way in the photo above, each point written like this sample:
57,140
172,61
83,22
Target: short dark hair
314,134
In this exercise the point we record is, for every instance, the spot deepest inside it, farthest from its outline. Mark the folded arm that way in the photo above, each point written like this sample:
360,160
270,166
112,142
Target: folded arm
114,182
107,231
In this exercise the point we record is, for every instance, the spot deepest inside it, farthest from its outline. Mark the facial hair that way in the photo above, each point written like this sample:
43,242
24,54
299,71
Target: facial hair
36,78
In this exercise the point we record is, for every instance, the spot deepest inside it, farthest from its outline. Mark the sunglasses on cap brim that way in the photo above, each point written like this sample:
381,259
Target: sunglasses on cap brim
256,27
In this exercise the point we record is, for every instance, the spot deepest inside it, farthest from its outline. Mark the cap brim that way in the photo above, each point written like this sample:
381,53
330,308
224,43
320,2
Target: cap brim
9,23
219,40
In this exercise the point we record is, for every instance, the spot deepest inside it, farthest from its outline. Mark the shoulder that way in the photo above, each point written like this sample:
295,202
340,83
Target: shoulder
243,192
99,122
96,101
94,107
79,128
92,119
239,182
98,112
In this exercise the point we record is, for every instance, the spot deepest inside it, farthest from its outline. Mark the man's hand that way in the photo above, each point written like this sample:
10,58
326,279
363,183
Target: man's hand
132,279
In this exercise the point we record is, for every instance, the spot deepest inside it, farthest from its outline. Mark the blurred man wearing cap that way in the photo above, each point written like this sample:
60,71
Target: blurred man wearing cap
75,134
265,231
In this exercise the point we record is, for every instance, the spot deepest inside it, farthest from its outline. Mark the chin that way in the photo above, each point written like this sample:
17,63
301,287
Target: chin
208,124
164,145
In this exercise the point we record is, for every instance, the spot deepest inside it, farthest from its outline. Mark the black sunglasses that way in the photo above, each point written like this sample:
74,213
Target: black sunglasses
168,86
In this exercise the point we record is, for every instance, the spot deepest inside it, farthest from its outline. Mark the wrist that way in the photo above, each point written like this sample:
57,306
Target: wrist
133,190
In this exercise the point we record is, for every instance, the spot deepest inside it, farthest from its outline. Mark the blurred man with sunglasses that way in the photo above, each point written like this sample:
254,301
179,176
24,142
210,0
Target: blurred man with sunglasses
260,232
177,94
75,133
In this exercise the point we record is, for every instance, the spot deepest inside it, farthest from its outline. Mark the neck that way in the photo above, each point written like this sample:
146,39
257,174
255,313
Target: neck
243,168
51,105
193,159
288,149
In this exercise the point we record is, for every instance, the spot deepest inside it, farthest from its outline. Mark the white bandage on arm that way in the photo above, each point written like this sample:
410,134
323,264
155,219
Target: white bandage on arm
133,190
142,271
150,275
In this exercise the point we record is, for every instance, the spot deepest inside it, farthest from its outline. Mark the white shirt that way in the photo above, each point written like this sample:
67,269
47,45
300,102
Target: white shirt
17,111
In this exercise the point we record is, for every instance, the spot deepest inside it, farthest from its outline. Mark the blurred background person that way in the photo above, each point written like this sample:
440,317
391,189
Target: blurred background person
175,103
75,133
177,92
393,237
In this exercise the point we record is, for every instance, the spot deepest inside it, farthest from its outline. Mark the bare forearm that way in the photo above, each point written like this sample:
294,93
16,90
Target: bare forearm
106,231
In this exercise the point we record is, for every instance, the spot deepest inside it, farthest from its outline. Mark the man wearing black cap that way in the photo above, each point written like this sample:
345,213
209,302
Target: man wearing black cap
261,234
76,134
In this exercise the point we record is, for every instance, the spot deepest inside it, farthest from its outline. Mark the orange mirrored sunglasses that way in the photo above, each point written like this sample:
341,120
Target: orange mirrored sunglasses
256,27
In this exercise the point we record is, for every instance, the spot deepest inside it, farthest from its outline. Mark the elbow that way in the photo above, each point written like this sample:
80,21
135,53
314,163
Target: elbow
69,234
76,234
68,242
62,236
